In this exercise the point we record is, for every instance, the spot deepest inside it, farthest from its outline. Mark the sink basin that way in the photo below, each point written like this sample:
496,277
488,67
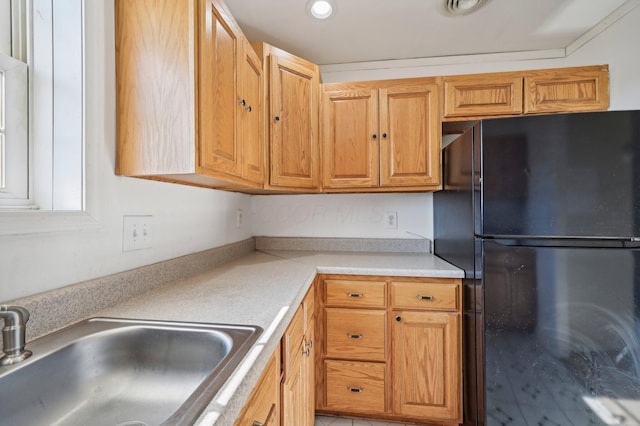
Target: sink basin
110,372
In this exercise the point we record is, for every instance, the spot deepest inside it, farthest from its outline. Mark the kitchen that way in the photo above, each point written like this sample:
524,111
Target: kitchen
188,220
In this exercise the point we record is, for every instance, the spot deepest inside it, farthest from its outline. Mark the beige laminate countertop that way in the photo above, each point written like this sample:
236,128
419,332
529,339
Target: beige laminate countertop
263,289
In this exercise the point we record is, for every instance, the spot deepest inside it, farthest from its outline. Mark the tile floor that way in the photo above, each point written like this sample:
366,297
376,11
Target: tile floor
341,421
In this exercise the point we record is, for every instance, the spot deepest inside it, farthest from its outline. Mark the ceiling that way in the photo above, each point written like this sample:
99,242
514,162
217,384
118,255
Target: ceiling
378,30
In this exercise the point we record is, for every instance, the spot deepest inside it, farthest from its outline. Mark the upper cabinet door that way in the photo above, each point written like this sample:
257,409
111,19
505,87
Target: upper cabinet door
482,95
217,98
570,89
349,138
250,131
294,85
410,135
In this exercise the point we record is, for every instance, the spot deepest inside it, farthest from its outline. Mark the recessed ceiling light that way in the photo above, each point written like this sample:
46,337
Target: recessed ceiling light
320,9
463,7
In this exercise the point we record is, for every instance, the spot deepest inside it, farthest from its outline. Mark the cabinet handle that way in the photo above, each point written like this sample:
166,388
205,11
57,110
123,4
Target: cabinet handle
421,297
257,423
309,344
276,118
384,136
242,102
355,294
249,109
398,318
355,336
354,390
306,352
374,136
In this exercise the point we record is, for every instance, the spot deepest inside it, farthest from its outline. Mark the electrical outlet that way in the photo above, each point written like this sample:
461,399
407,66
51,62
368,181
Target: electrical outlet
137,232
391,220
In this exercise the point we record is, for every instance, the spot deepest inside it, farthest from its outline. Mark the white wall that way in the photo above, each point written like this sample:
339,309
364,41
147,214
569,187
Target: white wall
342,215
276,216
185,219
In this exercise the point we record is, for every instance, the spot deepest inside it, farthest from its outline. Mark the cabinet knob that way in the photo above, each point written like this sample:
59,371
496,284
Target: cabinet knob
242,102
398,318
249,109
276,118
307,352
384,136
374,136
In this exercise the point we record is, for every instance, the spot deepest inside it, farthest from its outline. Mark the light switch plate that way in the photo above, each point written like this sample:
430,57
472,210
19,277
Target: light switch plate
137,232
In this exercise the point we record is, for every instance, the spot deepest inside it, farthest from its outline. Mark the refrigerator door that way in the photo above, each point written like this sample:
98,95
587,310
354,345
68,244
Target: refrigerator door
562,335
567,175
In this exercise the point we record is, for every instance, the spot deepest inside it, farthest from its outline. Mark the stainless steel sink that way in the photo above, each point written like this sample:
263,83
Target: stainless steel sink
110,372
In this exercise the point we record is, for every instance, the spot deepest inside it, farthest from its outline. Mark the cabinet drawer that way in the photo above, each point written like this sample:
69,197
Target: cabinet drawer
432,296
347,293
356,334
355,386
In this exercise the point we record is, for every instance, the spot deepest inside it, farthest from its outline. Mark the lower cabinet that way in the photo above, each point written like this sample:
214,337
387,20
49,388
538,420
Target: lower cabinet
390,348
285,393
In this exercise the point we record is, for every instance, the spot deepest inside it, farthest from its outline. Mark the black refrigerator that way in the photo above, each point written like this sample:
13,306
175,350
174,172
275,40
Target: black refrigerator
543,214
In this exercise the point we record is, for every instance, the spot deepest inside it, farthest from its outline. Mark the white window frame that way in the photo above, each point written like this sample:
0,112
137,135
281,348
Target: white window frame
57,123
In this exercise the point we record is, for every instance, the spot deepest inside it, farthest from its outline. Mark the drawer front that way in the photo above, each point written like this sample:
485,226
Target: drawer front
356,334
355,386
431,296
347,293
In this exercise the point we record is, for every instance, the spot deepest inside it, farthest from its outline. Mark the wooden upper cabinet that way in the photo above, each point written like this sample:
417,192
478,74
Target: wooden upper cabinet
180,74
292,120
570,89
350,138
381,135
410,135
558,90
484,95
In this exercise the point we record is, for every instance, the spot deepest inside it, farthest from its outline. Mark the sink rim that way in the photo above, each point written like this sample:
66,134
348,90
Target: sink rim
242,336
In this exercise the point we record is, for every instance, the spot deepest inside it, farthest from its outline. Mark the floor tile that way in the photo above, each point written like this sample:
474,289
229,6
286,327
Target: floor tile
332,421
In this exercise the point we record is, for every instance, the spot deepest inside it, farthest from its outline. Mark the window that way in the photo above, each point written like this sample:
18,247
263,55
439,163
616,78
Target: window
42,75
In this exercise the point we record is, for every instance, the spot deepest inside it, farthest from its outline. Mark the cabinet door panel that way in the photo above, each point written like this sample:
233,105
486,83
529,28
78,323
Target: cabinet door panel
250,133
426,364
482,95
350,138
410,136
217,99
567,91
294,124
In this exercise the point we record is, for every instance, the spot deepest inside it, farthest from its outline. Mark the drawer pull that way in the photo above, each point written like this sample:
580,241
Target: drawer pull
355,336
355,390
421,297
355,294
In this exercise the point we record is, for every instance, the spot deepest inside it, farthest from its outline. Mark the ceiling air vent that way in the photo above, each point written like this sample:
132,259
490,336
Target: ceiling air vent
463,7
